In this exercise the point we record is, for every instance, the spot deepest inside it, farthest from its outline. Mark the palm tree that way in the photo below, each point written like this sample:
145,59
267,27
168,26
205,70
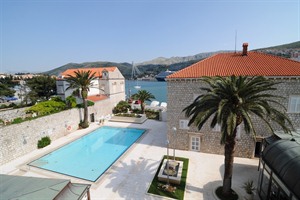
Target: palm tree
82,81
229,102
143,95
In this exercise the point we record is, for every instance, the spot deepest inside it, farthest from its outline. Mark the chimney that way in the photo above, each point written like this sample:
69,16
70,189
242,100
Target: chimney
245,49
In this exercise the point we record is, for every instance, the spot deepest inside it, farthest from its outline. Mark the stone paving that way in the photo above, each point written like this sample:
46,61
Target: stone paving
129,177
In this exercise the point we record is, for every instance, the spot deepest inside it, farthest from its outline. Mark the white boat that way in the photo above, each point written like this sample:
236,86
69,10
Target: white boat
162,75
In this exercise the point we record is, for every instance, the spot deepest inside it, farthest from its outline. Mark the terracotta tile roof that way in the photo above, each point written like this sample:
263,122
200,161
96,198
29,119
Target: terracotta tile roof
97,70
227,64
97,98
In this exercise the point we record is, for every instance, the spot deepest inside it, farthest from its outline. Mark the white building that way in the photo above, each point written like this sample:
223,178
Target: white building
110,83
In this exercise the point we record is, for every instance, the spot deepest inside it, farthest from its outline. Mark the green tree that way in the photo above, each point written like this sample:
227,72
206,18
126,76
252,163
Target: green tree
82,80
42,87
143,95
71,102
121,107
47,107
6,85
6,91
8,81
231,101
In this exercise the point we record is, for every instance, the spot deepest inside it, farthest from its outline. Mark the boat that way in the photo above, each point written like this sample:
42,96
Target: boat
162,75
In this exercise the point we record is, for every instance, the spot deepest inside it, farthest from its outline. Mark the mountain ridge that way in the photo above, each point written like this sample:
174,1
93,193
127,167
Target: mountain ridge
174,63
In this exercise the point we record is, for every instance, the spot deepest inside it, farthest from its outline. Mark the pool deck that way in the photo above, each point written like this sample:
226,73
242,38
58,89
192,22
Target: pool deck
130,176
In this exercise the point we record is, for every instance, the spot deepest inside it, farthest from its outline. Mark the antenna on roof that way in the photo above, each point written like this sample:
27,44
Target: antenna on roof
235,41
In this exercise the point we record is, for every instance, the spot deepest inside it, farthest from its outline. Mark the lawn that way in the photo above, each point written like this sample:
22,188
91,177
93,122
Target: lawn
179,193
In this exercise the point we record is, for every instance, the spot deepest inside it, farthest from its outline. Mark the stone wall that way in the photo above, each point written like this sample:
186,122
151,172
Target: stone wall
182,92
19,139
10,114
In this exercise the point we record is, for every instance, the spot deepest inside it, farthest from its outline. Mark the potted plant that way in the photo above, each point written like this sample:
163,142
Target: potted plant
249,188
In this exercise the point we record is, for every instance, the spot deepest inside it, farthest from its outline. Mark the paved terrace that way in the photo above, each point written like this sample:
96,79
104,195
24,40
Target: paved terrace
130,176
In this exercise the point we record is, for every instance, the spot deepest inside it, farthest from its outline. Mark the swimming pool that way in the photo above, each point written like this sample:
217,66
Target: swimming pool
91,155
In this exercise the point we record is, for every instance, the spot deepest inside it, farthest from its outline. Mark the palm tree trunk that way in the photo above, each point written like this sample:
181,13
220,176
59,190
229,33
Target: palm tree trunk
229,157
85,113
85,122
142,107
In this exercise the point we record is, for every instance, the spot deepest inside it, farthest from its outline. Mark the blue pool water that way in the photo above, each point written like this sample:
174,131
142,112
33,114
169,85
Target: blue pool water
91,155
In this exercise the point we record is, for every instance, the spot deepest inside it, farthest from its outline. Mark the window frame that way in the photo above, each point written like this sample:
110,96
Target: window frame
197,143
183,124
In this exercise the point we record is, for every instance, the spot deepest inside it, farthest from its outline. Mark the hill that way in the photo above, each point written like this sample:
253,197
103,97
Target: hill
125,68
293,45
150,68
177,59
291,50
155,66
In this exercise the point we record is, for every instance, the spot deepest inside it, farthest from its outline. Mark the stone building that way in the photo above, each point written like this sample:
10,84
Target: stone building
109,83
184,86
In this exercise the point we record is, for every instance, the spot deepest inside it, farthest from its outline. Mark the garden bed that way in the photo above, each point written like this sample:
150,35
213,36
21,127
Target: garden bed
136,120
157,187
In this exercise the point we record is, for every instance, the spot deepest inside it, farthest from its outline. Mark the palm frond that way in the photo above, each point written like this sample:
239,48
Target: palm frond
229,101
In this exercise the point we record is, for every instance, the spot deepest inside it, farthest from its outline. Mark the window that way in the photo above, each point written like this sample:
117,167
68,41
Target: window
105,75
183,124
294,104
195,143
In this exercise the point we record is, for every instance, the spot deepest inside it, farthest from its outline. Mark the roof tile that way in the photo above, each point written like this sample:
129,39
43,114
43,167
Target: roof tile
98,71
95,98
253,64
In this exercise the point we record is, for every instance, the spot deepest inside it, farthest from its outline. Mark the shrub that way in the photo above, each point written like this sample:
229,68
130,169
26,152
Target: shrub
45,141
12,105
89,103
71,102
137,111
152,114
121,107
56,98
249,187
47,107
17,120
3,106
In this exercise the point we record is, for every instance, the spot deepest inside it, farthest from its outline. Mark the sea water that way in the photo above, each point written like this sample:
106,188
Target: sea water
157,88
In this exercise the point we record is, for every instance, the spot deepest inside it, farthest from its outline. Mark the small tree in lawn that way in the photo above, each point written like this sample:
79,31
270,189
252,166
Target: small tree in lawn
143,95
82,80
229,102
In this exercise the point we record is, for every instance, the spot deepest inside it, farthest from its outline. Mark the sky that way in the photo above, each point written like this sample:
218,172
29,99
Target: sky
40,35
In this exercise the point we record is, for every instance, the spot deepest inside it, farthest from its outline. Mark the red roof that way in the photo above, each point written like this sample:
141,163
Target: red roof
97,70
97,98
252,64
